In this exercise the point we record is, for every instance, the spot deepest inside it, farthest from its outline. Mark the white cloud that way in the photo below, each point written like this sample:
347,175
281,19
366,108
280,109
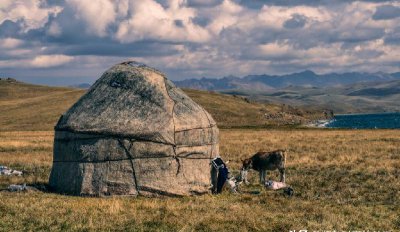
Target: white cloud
274,50
139,20
97,14
150,20
30,11
275,16
46,61
225,15
10,43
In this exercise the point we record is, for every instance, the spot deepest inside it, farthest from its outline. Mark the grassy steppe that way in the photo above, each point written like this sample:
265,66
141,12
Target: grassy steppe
33,107
343,179
346,180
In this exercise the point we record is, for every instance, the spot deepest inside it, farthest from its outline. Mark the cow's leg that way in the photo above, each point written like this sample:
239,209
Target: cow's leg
282,172
243,176
265,176
262,177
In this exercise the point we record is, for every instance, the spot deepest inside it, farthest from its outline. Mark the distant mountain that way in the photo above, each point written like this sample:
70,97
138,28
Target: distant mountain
365,97
384,89
81,86
267,82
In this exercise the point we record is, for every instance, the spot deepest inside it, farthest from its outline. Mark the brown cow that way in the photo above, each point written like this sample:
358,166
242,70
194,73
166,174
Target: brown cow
263,161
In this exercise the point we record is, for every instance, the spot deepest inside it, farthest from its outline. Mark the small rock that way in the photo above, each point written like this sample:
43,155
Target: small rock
17,188
5,171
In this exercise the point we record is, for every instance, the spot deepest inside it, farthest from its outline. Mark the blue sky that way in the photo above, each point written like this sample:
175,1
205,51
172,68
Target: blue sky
63,42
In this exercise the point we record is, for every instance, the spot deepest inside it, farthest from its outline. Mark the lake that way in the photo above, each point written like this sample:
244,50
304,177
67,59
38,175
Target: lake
365,121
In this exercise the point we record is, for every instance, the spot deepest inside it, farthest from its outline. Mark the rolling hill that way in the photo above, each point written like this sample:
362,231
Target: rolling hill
33,107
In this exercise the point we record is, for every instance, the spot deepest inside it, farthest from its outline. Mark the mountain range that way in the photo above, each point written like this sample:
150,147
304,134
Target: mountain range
269,82
352,92
343,93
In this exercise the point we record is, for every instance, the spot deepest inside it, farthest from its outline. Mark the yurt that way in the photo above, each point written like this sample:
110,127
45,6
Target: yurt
134,133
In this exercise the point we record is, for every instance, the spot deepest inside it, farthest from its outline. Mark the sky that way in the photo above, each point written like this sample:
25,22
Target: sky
63,42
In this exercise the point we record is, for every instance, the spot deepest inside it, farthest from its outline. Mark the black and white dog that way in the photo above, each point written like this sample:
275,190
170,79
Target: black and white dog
221,175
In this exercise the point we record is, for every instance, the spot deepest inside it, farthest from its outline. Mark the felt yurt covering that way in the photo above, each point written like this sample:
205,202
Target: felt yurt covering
134,133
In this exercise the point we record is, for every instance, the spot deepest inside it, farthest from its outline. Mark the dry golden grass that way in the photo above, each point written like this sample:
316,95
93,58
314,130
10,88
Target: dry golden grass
238,112
343,180
33,107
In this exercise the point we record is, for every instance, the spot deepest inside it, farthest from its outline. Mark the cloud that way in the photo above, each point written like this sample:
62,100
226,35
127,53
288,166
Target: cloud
42,61
297,21
108,48
46,61
193,38
98,15
257,4
54,29
31,13
361,34
151,21
10,29
10,43
393,36
386,12
203,3
225,15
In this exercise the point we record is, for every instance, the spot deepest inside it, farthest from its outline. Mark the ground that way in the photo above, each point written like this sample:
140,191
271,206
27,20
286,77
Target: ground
343,180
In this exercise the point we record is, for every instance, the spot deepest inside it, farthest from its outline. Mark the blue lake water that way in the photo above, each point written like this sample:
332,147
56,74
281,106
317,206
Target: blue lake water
366,121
